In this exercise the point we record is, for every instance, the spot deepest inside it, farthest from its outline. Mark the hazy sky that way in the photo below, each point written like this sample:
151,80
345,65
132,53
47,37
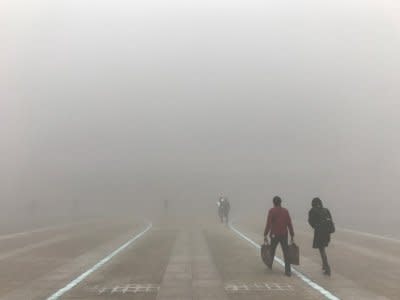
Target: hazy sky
182,99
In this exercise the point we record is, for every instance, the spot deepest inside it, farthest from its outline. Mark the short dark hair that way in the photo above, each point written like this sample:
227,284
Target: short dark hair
316,202
277,201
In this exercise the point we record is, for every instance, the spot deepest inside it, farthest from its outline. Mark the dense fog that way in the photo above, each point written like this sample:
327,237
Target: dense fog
114,106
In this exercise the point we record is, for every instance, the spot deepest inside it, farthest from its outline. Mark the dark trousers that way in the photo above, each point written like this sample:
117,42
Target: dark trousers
283,240
324,257
221,215
226,217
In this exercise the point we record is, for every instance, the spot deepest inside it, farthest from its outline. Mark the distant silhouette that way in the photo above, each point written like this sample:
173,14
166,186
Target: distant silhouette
166,205
224,208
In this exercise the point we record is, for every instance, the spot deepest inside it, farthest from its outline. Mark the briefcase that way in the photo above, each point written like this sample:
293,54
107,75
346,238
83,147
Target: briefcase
266,255
294,254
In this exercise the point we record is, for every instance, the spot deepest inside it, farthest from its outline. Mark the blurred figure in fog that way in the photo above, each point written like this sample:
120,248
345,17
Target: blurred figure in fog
166,206
75,207
320,219
278,225
220,208
224,208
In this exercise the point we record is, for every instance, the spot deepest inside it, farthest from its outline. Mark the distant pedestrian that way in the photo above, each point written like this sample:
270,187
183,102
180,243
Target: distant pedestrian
220,209
224,208
279,224
320,219
166,206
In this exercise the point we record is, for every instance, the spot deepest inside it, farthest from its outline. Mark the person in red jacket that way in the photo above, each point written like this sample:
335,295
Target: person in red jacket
278,225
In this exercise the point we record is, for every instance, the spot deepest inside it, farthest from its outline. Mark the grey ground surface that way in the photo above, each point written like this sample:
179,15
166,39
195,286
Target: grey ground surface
193,258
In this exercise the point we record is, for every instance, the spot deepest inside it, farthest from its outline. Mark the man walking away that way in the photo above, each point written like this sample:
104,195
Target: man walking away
320,219
278,225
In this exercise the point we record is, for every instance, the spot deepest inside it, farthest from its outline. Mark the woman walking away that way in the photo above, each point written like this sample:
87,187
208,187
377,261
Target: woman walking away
320,219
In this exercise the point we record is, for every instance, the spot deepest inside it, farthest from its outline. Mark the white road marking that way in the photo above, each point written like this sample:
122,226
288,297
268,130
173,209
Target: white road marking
387,237
132,288
81,277
240,287
22,250
38,230
304,278
371,235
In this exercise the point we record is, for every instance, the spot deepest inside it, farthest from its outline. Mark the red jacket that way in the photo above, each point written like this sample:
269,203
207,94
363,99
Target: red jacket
278,222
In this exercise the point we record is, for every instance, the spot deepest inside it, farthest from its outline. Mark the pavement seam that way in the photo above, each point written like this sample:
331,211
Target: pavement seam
190,273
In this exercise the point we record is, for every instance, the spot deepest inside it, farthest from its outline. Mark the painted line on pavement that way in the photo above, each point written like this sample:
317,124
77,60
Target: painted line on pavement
102,262
371,235
30,247
385,237
39,230
304,278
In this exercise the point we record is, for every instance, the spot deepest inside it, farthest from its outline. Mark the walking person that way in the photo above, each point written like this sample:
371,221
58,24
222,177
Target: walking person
279,224
166,206
320,219
226,209
220,209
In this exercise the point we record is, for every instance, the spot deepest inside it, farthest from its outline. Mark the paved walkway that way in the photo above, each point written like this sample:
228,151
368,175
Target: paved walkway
191,273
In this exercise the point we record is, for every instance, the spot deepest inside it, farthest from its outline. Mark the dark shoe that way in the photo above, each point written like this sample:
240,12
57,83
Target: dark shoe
288,273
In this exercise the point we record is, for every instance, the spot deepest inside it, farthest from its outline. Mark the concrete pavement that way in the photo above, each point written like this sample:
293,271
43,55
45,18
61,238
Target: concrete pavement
182,258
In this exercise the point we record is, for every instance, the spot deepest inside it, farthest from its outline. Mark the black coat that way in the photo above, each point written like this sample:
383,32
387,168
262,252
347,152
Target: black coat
322,236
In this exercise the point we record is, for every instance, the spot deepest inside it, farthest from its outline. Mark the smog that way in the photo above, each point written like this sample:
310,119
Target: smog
126,123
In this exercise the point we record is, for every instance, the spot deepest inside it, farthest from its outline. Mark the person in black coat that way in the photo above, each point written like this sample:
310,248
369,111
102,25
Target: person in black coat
320,219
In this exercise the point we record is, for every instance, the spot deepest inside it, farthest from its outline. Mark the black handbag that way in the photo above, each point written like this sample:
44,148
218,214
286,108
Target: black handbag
328,222
266,255
294,254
